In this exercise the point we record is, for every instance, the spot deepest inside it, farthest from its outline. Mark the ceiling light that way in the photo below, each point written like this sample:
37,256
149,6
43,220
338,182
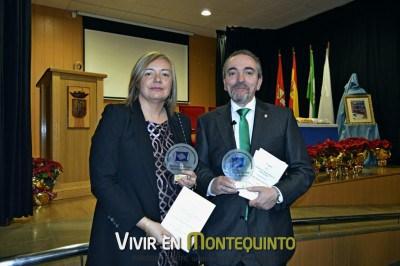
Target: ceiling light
206,12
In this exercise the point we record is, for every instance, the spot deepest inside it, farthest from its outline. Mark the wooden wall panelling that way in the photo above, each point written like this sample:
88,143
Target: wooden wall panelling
381,187
379,248
202,58
57,41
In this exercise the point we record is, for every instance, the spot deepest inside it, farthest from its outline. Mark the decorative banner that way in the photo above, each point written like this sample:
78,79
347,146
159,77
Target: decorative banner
78,107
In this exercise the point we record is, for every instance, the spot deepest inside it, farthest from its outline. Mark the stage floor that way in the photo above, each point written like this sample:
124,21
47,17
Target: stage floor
68,221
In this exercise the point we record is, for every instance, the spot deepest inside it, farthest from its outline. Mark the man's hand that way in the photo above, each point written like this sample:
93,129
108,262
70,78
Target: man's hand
266,197
223,185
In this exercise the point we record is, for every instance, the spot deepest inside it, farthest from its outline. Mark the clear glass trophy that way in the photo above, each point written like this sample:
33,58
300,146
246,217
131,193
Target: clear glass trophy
237,164
181,157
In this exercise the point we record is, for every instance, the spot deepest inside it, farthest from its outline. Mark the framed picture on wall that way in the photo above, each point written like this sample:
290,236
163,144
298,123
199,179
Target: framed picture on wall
358,108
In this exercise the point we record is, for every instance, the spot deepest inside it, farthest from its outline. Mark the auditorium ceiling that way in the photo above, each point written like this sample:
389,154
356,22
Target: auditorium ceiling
184,15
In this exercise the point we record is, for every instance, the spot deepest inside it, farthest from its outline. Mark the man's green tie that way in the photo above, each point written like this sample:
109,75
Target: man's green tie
244,135
244,141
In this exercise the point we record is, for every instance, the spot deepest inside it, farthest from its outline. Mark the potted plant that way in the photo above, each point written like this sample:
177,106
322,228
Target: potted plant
380,148
44,177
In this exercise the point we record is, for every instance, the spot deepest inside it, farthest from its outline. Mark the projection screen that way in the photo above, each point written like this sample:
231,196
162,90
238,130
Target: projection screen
115,55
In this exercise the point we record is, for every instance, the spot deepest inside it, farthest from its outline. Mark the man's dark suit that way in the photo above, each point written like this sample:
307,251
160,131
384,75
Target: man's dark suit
275,130
122,174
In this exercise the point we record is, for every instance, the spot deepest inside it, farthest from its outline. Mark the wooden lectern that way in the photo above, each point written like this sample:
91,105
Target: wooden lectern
71,103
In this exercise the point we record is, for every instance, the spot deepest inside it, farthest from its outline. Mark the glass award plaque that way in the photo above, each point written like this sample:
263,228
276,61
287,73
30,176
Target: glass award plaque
237,164
181,157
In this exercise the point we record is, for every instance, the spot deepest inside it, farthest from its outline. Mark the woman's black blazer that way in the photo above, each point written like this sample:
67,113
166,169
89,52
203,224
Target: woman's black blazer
122,174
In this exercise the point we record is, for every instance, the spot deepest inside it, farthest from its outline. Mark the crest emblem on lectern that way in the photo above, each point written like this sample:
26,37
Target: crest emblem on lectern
79,103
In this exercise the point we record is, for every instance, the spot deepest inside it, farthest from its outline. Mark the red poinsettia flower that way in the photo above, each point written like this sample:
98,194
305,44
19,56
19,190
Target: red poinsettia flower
355,145
44,176
380,143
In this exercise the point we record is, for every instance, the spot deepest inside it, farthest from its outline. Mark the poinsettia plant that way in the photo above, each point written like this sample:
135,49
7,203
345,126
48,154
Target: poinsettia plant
326,149
381,150
347,152
44,177
380,144
354,145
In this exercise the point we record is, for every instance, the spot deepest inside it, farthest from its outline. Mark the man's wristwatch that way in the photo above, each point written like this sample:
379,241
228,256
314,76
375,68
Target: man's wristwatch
279,198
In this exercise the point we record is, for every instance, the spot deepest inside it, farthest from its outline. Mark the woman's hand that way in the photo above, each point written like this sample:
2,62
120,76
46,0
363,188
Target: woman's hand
188,180
153,229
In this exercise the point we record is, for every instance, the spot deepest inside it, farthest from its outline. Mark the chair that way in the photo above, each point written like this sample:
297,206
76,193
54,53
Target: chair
193,112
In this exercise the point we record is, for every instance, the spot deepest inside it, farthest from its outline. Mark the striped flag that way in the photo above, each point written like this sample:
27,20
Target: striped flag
311,87
280,90
294,95
325,110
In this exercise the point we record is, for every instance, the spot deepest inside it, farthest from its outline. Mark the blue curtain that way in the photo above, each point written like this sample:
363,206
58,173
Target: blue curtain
15,127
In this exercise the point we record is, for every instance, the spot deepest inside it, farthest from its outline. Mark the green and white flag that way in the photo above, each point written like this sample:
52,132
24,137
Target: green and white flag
311,87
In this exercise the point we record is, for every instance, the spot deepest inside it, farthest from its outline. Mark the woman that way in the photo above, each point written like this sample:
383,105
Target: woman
134,190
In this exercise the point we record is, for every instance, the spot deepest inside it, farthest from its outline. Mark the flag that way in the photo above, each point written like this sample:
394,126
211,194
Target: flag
280,90
311,87
325,110
294,98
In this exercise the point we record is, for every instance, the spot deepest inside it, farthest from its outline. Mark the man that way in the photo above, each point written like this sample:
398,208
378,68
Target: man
271,128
